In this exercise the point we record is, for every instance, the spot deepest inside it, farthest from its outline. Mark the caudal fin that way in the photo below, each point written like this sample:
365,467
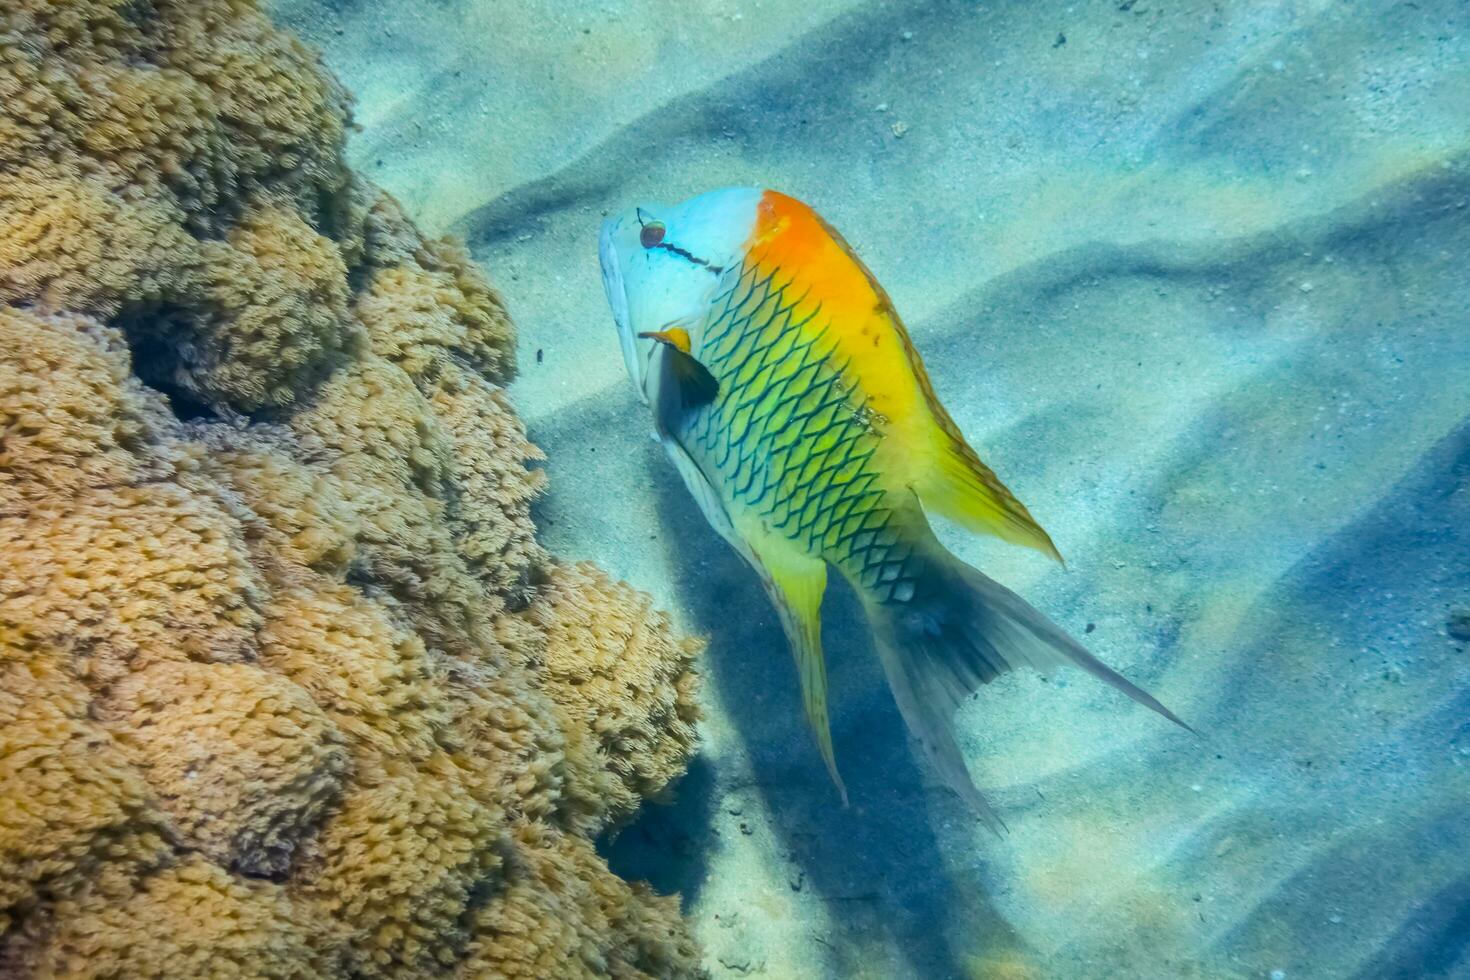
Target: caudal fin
960,629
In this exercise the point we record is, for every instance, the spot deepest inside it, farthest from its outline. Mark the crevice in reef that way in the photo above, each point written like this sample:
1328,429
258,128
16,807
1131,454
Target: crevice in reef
151,334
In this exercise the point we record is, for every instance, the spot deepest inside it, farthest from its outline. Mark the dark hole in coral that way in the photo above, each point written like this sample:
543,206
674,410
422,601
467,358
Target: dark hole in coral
271,864
358,276
188,409
331,211
668,844
138,12
360,575
155,359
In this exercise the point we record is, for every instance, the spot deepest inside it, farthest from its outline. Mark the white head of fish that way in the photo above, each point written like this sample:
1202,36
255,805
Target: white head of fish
661,265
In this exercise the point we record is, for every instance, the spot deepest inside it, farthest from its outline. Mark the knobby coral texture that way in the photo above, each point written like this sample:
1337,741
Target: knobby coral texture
287,686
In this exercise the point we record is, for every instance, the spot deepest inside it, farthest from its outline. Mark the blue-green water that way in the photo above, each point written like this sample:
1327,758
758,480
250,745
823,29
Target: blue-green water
1192,277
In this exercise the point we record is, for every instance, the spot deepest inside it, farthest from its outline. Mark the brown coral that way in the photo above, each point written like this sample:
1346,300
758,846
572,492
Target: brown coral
625,686
116,580
75,810
287,686
241,760
401,864
427,304
373,679
192,919
70,420
490,516
275,314
69,242
564,914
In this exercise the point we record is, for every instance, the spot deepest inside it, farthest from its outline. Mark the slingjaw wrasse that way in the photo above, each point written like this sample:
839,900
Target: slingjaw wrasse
789,396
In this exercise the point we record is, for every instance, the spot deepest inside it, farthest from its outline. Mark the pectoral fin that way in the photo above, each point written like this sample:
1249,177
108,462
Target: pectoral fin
693,381
795,583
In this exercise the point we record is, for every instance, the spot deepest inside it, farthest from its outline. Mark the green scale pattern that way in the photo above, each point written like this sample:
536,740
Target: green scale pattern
789,438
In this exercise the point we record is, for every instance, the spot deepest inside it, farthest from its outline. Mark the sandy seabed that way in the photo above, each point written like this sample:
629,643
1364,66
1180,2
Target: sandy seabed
1192,278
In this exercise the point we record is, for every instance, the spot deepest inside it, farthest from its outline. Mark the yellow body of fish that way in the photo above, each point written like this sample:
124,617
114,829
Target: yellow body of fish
793,402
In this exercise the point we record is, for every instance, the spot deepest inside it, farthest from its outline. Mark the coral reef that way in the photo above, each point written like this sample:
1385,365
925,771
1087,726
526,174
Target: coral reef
287,686
625,686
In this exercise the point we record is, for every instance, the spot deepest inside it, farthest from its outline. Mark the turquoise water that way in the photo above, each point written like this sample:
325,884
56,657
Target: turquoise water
1192,278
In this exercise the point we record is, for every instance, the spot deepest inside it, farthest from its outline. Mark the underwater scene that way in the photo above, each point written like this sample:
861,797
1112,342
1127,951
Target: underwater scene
884,489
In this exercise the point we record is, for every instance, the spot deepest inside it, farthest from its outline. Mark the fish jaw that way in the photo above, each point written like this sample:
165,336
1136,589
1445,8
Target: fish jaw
617,299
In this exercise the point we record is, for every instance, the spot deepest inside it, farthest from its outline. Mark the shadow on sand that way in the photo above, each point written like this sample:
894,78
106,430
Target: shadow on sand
876,864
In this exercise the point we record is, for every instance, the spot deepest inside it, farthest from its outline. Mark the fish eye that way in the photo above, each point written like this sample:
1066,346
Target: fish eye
651,233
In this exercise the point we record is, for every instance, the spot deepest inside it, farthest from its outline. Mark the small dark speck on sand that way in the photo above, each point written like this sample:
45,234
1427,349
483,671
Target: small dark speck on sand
797,880
1459,624
745,828
1061,40
380,162
540,354
1089,628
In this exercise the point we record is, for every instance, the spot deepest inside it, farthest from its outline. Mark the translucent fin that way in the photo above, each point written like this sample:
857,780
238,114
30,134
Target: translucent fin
961,487
1022,635
928,710
795,583
958,630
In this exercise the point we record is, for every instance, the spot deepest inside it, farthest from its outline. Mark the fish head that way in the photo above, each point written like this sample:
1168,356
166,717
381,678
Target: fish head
662,265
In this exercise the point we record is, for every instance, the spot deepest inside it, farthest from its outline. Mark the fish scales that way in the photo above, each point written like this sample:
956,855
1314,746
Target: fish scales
787,434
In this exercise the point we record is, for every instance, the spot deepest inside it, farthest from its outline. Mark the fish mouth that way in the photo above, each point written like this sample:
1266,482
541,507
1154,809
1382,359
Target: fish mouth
617,298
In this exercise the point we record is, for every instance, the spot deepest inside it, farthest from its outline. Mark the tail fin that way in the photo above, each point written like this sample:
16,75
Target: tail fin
960,629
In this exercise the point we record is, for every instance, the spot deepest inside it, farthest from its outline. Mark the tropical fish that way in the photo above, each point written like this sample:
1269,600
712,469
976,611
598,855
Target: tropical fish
790,398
